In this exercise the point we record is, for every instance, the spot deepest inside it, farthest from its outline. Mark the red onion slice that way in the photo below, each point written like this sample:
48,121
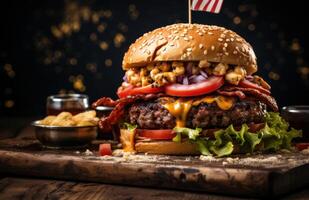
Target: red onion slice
185,81
197,79
124,78
203,74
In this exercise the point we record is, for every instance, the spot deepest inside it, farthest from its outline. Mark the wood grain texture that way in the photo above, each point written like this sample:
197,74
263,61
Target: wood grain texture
18,189
27,157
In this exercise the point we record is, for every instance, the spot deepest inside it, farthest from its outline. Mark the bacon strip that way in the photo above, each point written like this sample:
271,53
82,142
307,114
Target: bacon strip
104,101
268,100
240,94
106,123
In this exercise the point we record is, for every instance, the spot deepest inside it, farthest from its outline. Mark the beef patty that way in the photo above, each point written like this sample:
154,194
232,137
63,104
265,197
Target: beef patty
152,115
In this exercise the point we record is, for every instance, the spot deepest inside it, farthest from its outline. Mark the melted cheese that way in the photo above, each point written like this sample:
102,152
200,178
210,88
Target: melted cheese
180,108
223,102
127,140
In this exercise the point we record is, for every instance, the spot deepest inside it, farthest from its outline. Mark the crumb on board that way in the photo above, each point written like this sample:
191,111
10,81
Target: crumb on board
207,158
188,159
305,151
88,152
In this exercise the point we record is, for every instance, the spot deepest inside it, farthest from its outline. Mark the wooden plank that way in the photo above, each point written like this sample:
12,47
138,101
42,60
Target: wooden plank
21,188
18,188
235,176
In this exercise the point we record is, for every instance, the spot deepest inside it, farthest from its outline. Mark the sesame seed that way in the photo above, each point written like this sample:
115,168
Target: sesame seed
235,52
232,39
201,46
190,36
222,35
177,37
209,33
238,39
205,52
213,47
189,49
225,45
227,40
220,39
226,53
201,34
186,39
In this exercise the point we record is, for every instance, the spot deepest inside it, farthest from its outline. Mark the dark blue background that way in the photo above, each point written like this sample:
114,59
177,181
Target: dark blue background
35,61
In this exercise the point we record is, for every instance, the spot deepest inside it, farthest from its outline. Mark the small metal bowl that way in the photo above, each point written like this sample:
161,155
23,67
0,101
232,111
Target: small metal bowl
298,117
64,137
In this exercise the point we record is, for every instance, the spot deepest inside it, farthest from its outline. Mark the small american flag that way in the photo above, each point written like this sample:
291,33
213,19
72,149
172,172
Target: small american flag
213,6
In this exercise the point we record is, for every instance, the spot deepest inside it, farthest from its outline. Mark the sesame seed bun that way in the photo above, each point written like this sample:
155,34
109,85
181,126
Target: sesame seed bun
191,42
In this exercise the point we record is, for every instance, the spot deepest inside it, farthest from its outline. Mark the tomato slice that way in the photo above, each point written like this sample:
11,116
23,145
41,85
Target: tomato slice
164,134
105,149
130,90
302,146
209,85
248,84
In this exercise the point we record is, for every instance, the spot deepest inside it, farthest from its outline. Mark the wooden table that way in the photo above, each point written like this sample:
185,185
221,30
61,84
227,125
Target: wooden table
30,188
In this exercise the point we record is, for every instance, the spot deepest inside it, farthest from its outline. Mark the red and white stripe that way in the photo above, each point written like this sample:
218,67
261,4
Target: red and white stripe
213,6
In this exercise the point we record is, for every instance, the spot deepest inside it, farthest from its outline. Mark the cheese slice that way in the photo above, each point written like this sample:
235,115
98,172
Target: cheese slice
180,108
223,102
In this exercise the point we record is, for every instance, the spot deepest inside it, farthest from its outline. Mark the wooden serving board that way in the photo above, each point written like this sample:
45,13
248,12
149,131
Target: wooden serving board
258,175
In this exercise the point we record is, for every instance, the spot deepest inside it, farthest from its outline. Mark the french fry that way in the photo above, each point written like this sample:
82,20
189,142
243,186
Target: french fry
61,119
87,118
47,120
84,115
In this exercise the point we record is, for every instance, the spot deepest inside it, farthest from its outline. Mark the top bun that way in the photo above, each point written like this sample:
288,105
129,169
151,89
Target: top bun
191,42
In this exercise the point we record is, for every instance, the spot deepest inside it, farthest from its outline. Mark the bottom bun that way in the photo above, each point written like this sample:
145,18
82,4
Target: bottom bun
129,144
167,148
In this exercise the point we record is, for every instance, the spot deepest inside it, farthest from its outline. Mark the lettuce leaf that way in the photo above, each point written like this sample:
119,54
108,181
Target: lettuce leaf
202,147
129,126
191,133
224,150
275,135
177,138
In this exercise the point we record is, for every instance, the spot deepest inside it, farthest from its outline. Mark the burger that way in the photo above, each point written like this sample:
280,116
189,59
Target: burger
190,89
